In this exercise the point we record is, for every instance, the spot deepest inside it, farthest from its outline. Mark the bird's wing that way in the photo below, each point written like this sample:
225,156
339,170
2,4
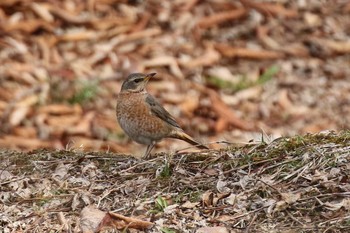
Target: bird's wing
158,110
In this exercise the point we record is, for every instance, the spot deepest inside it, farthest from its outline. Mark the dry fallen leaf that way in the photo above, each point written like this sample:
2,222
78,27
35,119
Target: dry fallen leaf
121,222
61,109
221,17
225,114
60,171
335,206
209,58
18,115
94,220
270,8
169,61
189,205
90,219
290,197
287,200
212,230
208,199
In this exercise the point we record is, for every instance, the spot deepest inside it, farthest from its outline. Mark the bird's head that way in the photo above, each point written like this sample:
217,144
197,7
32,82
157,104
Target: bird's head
136,82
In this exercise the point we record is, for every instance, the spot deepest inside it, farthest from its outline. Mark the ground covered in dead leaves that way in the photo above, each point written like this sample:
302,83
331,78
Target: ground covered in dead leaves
226,70
295,184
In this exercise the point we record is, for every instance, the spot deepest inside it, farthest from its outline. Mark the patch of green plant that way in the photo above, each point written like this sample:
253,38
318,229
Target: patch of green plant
225,84
294,145
332,137
195,196
165,171
42,202
160,205
300,140
332,163
247,158
267,75
345,135
85,91
192,195
243,82
58,192
347,222
294,164
231,164
290,144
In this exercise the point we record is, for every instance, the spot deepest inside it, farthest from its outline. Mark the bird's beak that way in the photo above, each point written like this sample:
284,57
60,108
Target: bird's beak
148,76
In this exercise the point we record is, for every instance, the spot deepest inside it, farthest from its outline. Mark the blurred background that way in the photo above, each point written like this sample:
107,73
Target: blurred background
227,70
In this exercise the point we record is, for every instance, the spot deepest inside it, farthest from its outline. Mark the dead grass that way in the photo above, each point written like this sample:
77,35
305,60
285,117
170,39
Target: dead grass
299,184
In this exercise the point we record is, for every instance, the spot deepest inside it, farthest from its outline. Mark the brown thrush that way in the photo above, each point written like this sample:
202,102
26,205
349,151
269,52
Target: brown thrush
142,117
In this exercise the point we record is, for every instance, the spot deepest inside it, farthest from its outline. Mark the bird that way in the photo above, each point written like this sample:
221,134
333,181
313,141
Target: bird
143,118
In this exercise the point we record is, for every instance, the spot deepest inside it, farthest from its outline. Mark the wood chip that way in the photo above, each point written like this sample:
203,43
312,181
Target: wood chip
270,8
221,17
230,51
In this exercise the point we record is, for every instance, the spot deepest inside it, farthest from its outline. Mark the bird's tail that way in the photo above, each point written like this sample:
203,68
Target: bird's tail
187,138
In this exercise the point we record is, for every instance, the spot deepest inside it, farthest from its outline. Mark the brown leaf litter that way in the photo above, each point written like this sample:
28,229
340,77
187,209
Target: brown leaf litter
62,64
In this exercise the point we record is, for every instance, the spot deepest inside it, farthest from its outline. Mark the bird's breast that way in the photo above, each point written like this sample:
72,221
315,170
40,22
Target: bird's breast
136,119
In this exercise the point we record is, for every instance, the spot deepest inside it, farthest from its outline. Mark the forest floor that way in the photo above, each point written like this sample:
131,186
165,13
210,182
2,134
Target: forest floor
291,184
250,79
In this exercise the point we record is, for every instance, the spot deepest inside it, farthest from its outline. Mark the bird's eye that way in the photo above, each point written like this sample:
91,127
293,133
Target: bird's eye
138,80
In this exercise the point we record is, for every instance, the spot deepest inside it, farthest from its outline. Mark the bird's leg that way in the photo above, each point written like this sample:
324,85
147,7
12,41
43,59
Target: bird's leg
148,150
